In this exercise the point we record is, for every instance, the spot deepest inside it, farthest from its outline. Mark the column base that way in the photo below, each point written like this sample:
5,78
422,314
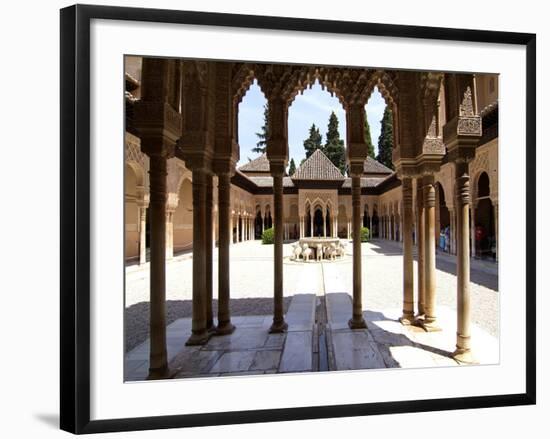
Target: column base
225,328
160,373
429,325
357,323
198,338
407,319
464,356
278,327
210,327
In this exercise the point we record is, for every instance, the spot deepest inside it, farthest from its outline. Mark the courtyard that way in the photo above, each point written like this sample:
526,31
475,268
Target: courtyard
317,305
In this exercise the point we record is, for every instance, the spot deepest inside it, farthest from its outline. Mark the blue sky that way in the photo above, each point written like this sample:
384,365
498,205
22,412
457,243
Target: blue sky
313,106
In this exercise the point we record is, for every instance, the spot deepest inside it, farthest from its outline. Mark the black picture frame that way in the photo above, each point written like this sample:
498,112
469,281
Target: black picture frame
75,217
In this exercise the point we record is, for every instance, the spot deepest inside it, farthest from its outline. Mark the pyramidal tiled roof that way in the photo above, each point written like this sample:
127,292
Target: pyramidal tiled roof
317,167
260,164
372,166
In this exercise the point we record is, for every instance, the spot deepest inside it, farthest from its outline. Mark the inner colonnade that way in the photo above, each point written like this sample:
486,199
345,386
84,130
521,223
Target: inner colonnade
184,117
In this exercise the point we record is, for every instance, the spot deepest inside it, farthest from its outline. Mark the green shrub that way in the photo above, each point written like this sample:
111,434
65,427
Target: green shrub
365,234
267,236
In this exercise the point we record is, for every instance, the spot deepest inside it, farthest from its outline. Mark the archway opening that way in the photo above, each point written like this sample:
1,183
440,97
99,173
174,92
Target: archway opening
485,240
183,218
258,225
443,238
375,232
316,120
318,222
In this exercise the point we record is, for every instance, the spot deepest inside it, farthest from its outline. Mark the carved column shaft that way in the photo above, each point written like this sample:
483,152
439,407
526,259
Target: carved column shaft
408,276
421,246
357,321
463,347
429,323
198,326
208,245
279,324
158,363
224,211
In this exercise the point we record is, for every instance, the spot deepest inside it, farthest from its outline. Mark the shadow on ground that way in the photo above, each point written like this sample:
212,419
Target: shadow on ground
476,276
136,317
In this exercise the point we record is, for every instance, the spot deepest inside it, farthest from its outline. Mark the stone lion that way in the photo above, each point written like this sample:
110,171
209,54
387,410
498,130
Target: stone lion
306,252
319,252
296,251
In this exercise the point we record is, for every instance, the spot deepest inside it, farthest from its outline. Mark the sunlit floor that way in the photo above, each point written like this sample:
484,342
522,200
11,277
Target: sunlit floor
251,350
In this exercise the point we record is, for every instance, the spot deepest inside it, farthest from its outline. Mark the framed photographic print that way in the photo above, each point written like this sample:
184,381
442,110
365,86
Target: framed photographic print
268,218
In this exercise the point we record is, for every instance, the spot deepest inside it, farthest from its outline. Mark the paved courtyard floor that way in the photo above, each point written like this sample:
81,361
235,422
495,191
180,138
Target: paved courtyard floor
317,307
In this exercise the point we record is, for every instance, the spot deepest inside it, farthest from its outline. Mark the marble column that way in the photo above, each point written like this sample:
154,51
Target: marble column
158,361
312,233
142,234
463,351
324,225
429,323
408,277
169,233
420,226
473,228
208,246
199,332
224,214
357,321
279,324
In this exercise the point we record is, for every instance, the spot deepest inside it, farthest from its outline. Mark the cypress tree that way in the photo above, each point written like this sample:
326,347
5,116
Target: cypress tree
261,145
385,141
368,139
292,167
313,142
334,146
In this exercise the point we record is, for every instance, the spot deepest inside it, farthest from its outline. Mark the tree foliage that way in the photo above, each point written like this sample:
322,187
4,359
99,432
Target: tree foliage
292,167
261,145
385,140
334,146
314,141
368,139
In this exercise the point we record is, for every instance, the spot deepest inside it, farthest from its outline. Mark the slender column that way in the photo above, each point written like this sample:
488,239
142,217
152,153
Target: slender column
312,233
463,351
421,246
208,245
357,321
169,234
408,275
198,326
158,362
336,226
224,214
142,235
429,323
473,228
324,225
279,324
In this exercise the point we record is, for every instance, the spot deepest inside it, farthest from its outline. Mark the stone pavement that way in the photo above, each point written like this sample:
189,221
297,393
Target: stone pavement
250,349
315,342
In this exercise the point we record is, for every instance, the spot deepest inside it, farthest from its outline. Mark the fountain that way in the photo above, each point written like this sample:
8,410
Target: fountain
318,248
